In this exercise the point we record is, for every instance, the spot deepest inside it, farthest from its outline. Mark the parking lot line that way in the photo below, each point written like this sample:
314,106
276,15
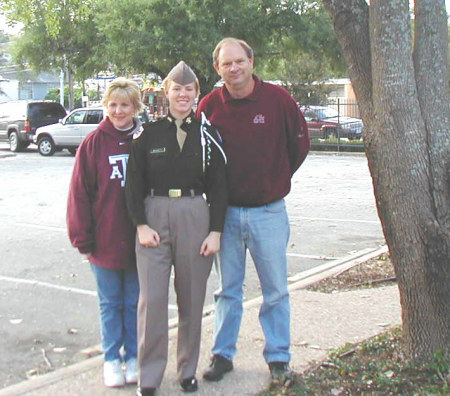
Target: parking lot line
333,220
48,285
42,227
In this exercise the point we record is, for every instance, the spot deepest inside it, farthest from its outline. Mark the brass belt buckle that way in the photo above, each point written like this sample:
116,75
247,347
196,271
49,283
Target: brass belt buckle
174,193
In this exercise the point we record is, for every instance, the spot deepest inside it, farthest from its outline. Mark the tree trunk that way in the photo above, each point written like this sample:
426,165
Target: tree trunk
405,108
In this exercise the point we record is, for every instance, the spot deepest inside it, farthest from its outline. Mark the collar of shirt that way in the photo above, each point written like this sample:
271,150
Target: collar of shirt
253,97
186,121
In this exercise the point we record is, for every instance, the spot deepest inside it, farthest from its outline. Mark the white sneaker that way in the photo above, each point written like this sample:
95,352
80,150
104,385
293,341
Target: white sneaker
131,373
113,374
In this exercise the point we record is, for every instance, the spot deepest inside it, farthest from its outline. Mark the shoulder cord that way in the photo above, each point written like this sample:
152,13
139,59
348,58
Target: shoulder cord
205,139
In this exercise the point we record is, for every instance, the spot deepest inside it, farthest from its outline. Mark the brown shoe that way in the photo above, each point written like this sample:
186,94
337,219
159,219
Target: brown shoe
218,368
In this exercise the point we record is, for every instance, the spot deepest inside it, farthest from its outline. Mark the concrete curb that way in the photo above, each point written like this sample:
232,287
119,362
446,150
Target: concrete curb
298,281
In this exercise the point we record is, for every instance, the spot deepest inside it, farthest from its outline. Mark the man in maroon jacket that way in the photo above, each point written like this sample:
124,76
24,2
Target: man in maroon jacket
265,138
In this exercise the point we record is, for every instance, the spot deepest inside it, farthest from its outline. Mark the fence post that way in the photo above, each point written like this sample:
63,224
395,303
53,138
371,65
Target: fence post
339,125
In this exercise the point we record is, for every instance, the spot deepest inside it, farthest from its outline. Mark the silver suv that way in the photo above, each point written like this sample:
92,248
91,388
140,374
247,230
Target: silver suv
70,131
20,118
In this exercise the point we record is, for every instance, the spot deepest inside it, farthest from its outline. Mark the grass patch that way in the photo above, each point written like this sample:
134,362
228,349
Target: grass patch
373,367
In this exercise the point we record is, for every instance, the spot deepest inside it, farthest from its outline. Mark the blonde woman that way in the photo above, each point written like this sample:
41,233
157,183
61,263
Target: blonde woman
100,228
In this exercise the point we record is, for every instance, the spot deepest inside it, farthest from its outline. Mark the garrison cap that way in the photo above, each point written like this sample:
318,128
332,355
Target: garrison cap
182,74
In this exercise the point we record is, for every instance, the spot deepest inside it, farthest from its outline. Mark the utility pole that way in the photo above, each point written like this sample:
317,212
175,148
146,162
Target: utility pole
61,87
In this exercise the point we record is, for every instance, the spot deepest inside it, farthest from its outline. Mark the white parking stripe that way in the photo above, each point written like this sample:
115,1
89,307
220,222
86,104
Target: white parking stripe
59,287
42,227
334,220
49,285
310,256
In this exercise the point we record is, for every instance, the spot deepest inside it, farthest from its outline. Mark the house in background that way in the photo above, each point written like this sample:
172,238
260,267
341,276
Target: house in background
25,84
341,94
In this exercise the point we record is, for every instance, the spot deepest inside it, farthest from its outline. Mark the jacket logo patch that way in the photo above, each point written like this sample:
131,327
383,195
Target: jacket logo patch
259,119
158,150
138,132
119,167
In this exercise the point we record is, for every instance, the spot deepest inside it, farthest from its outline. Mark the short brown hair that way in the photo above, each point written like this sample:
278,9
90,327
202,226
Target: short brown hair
248,50
124,87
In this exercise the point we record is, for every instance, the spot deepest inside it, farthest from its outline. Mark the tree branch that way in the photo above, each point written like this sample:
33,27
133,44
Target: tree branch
432,78
352,28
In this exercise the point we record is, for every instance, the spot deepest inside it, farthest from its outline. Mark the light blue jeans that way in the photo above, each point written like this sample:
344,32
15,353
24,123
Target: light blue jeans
118,293
264,231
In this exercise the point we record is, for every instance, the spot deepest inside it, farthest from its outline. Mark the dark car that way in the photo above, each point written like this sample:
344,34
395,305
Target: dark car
326,123
20,118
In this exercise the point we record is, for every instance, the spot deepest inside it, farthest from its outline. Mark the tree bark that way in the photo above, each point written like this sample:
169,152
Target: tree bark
405,108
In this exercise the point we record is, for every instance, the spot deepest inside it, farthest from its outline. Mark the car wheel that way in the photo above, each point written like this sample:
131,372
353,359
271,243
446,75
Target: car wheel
330,133
14,143
72,150
46,146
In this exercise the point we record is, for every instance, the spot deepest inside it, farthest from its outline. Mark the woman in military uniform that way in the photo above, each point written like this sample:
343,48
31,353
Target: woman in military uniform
174,164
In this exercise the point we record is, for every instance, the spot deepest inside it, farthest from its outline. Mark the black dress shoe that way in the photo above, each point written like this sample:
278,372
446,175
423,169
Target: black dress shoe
218,368
145,391
189,385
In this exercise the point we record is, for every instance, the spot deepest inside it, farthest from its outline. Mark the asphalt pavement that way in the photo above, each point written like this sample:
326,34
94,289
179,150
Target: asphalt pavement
48,310
320,322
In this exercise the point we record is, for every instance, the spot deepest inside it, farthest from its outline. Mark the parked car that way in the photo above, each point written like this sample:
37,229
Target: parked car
70,131
19,120
326,123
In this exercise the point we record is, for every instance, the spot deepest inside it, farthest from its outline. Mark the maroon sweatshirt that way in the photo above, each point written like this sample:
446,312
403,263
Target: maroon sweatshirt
97,218
265,138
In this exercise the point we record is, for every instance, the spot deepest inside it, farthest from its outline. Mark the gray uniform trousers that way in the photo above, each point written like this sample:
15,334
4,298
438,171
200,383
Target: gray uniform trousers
182,224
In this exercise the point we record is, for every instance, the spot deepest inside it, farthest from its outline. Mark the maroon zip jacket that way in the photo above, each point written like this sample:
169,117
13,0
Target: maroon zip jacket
97,218
265,138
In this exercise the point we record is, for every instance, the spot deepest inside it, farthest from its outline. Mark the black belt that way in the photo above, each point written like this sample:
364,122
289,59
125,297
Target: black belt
175,192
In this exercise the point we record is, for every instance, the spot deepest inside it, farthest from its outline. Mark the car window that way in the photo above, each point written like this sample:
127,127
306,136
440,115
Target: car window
94,117
328,112
46,110
310,115
76,117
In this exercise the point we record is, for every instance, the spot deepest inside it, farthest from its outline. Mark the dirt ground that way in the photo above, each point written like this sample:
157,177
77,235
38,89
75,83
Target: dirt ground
372,273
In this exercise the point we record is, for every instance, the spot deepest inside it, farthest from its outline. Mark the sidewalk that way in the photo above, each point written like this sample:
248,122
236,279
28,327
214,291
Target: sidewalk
319,322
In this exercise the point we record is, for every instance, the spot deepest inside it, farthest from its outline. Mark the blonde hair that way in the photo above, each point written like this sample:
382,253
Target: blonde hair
166,84
124,87
231,40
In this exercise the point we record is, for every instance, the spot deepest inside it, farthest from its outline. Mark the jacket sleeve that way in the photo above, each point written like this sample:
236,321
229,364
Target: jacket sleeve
136,183
82,191
216,183
298,140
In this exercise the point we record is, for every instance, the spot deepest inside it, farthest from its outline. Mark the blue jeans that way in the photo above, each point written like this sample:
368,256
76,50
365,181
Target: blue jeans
118,293
264,231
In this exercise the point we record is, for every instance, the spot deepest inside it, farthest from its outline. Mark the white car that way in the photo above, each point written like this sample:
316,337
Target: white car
71,130
68,132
